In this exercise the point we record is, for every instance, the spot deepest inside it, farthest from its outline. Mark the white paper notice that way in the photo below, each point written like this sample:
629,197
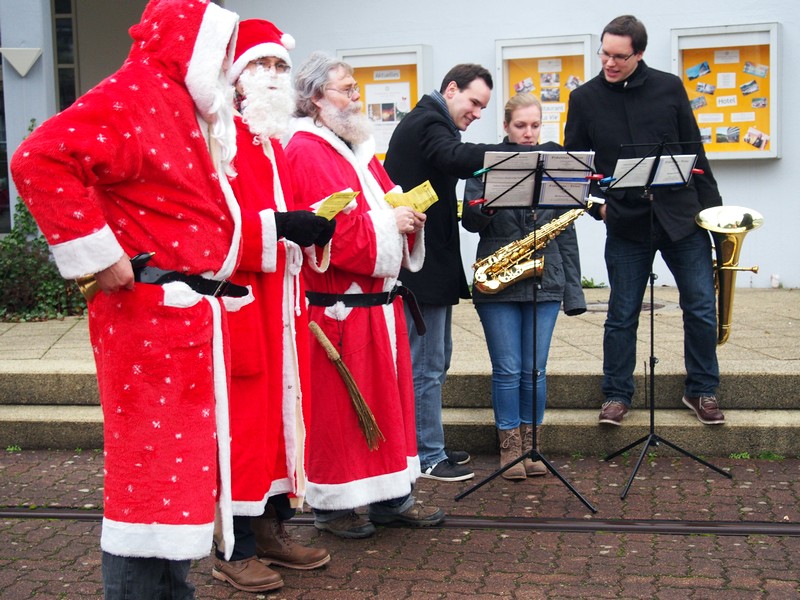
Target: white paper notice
726,57
726,81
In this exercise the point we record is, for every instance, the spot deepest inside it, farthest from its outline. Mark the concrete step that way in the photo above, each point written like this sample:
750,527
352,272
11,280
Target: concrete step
741,390
565,432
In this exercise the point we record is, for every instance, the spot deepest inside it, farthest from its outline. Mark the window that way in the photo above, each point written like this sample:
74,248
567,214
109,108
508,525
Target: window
66,55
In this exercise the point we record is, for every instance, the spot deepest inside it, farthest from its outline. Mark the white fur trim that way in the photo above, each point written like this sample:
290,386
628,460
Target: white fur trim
287,39
414,259
233,304
256,52
156,540
391,328
87,255
213,49
359,158
269,241
388,243
361,492
231,260
223,429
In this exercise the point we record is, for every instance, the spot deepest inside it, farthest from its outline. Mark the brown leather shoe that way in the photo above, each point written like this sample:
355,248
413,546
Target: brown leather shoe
612,412
706,409
275,545
248,575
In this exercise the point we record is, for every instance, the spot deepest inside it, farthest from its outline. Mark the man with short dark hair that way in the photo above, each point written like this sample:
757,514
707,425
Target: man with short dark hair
426,145
629,104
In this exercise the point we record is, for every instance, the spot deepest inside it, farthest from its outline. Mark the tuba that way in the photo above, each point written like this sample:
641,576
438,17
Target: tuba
515,261
728,226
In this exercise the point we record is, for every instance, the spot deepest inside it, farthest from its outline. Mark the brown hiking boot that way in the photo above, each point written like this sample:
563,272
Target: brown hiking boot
510,450
532,468
275,545
248,575
417,515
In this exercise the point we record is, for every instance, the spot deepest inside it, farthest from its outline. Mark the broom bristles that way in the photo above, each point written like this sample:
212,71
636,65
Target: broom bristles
366,420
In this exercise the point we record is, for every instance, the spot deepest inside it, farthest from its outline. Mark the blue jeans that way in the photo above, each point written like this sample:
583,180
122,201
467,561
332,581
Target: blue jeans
508,328
430,360
629,264
131,578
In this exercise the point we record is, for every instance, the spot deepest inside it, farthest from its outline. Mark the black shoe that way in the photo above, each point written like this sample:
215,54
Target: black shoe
447,471
459,457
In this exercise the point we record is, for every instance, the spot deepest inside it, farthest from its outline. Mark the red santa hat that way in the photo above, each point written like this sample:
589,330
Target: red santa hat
259,38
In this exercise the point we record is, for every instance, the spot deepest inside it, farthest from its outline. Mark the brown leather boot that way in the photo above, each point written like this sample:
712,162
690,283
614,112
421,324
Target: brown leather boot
532,468
248,575
510,449
275,545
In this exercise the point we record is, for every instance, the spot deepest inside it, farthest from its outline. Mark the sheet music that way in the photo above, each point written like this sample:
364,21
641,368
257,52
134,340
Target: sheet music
635,172
509,178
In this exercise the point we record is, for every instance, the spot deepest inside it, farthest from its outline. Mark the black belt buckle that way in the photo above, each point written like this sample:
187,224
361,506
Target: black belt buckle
221,288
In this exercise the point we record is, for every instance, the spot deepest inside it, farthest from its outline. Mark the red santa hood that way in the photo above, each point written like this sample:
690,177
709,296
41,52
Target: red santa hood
190,40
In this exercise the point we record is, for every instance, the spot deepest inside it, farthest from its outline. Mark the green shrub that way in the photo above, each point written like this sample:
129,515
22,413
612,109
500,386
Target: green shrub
33,289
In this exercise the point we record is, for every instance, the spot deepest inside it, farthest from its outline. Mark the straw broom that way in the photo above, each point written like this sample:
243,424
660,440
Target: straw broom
366,420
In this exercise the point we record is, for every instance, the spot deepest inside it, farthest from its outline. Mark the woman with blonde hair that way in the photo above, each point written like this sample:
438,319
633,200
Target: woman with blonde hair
508,316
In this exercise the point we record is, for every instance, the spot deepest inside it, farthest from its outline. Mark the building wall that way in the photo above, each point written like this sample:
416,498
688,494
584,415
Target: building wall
465,31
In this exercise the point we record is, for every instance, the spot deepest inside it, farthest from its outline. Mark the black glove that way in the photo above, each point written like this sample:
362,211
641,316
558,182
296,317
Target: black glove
326,234
301,226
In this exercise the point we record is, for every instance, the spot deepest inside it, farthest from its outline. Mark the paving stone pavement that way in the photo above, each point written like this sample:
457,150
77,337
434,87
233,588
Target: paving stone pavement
60,559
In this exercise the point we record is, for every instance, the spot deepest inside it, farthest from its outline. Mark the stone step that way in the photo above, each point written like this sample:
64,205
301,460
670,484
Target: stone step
566,432
741,390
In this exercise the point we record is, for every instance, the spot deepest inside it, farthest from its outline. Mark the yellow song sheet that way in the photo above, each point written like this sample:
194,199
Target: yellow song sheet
420,198
333,204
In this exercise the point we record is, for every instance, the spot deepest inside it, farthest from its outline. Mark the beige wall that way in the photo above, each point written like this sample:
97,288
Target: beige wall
103,41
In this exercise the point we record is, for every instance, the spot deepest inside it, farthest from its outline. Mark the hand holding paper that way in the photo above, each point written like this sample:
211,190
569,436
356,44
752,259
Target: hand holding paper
420,198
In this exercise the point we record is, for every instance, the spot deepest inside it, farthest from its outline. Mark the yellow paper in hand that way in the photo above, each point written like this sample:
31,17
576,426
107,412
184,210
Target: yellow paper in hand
333,204
420,198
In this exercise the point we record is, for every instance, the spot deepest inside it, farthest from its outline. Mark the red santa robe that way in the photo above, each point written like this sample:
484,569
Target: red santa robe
127,169
268,338
366,255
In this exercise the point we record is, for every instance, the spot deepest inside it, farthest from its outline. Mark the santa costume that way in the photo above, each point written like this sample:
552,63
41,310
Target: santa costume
138,165
269,341
366,255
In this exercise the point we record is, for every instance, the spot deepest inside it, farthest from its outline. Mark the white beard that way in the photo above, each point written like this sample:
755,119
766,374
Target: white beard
268,103
223,129
350,123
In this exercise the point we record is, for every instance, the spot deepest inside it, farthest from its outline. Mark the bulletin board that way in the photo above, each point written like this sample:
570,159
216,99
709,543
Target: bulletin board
392,80
549,68
731,76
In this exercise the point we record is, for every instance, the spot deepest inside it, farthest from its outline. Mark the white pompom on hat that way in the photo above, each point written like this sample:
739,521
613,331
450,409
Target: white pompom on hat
259,38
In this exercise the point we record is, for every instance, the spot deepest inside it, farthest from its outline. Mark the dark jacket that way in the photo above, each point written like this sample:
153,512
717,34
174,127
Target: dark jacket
561,280
426,146
649,107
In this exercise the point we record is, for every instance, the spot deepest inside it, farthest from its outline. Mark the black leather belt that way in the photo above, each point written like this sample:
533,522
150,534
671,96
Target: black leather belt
201,285
378,299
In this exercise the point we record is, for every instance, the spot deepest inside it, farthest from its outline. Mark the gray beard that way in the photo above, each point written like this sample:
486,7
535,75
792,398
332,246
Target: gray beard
266,111
350,124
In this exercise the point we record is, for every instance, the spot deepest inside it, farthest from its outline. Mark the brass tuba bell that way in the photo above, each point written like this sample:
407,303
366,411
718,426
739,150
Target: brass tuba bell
728,226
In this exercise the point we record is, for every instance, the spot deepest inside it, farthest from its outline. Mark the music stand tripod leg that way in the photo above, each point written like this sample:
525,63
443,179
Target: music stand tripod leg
533,454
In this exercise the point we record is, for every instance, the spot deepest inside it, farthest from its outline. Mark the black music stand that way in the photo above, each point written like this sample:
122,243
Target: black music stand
658,167
530,180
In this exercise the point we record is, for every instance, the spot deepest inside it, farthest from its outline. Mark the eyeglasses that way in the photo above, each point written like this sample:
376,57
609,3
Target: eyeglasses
347,91
279,66
620,58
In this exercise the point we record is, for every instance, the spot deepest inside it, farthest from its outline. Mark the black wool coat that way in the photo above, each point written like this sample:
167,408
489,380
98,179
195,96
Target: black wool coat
651,106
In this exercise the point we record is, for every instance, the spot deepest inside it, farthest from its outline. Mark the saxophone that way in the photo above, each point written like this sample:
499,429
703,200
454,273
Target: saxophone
515,262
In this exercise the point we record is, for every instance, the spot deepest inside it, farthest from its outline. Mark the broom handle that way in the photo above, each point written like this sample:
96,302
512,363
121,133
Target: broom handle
324,341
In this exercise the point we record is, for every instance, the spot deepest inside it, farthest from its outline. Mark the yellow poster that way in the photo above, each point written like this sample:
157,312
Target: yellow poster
551,79
729,89
388,93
